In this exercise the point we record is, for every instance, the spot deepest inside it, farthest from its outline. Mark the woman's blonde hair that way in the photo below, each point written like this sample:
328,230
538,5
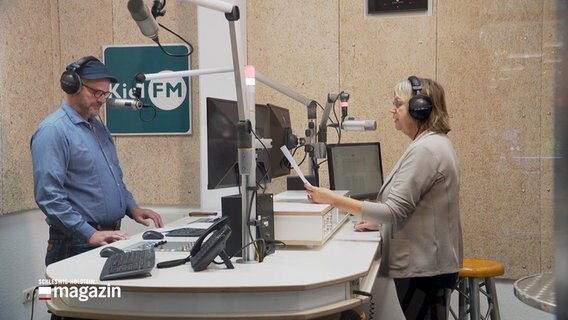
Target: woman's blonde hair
438,120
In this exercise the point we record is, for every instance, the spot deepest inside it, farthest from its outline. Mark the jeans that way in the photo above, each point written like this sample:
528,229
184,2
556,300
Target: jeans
61,246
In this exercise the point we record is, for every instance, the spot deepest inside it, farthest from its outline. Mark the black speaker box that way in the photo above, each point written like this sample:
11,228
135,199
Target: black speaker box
231,207
296,183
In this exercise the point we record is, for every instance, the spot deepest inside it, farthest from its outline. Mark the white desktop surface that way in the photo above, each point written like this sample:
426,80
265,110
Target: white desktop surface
292,283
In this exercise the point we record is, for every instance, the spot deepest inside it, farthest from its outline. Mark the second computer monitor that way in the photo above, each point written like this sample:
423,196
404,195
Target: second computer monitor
356,167
272,122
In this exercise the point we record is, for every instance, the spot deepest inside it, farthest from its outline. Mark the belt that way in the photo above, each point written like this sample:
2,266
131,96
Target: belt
101,227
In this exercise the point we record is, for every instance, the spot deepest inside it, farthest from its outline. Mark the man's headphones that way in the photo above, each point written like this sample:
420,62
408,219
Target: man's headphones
71,81
420,105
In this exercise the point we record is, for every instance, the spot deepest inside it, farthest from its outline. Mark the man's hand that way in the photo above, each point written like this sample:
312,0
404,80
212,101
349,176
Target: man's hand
140,215
100,238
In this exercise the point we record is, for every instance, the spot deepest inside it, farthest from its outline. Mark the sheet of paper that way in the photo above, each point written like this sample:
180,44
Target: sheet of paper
288,155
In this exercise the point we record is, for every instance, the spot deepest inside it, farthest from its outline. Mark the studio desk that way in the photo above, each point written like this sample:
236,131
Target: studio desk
296,282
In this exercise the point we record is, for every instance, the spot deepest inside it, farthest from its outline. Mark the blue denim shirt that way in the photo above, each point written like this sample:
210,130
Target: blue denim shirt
77,177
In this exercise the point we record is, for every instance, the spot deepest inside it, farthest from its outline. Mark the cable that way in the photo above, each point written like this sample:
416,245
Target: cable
158,10
329,117
304,158
245,246
189,52
33,302
153,115
371,302
269,162
276,242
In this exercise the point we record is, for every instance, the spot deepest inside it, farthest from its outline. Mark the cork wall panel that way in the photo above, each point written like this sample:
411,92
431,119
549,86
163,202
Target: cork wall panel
84,28
496,61
38,41
490,61
26,68
159,170
377,52
550,57
490,57
162,170
295,44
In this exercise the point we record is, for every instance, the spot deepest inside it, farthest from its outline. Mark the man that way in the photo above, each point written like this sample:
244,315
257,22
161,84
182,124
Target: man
77,178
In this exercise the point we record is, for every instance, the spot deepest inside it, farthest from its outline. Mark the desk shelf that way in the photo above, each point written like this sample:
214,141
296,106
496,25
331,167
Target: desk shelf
298,221
293,283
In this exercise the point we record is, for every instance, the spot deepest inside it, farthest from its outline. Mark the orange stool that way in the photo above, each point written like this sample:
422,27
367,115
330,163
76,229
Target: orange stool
473,276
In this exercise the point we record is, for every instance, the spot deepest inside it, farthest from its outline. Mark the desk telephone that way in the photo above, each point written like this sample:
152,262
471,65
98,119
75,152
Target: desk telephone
207,247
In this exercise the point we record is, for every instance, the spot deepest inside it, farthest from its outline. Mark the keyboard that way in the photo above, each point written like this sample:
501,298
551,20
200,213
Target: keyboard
129,264
185,232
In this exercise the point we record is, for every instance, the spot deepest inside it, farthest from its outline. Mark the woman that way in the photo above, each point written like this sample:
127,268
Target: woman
417,206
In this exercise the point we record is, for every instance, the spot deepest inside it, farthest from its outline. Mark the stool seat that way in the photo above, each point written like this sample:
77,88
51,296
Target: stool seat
480,268
475,278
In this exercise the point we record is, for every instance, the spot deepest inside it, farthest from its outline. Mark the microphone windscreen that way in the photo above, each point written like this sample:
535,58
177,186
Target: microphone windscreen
359,125
138,10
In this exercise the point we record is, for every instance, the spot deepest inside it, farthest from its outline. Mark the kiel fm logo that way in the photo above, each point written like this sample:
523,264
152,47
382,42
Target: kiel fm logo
164,94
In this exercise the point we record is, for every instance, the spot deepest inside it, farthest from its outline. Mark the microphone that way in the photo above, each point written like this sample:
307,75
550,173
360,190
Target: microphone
157,9
133,104
344,101
359,125
144,19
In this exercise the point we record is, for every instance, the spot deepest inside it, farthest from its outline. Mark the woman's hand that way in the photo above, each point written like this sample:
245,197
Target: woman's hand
323,195
363,225
320,195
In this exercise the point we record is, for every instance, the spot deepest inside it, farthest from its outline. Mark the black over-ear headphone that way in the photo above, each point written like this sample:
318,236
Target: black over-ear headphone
420,105
71,81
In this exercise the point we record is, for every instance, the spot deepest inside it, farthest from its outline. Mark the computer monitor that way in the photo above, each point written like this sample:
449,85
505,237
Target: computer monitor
281,135
272,122
356,167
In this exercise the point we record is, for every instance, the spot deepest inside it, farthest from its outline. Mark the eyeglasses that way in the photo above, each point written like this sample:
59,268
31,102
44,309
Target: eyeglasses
98,93
397,103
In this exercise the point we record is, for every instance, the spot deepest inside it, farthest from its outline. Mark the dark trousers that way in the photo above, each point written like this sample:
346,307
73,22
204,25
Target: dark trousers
61,246
425,298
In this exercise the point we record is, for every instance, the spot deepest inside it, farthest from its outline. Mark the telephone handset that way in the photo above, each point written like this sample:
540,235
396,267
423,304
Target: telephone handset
207,247
222,221
212,247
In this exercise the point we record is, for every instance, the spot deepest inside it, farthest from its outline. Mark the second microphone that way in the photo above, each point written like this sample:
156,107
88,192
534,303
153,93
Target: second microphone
132,104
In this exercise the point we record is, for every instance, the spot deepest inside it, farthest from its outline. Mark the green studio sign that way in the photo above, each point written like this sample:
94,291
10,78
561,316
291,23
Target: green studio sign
167,101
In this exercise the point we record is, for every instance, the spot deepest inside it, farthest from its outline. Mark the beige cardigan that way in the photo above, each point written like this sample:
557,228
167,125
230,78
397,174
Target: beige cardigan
418,207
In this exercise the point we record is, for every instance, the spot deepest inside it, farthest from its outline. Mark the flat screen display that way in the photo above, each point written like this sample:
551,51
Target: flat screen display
356,167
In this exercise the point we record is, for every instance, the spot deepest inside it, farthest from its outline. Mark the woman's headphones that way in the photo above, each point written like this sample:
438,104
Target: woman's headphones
70,80
420,105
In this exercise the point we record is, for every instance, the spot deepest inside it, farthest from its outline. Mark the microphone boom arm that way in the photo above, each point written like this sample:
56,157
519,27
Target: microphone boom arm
311,137
184,73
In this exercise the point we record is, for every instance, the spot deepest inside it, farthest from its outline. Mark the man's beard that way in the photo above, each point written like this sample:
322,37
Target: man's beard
94,111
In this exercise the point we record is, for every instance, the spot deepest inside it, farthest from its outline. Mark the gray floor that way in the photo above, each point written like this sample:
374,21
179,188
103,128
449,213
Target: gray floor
510,306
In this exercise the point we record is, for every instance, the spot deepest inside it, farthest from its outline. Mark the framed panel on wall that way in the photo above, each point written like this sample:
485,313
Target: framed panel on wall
396,6
167,102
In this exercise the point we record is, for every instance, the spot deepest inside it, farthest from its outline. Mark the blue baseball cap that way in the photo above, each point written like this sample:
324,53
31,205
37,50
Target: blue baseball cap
95,70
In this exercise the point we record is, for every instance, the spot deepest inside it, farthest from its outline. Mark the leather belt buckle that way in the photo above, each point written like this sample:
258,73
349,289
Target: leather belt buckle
100,227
